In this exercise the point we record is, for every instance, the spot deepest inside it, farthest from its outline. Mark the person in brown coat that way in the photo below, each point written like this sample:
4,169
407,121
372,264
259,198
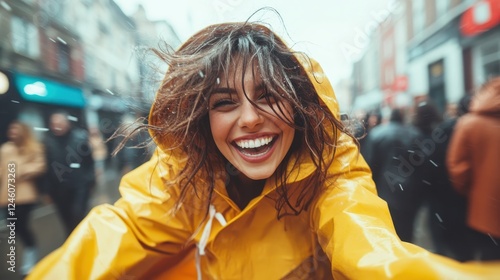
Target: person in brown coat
473,159
21,162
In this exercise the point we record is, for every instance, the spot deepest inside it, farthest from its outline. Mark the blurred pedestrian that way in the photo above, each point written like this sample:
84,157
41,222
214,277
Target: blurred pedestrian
254,177
473,161
371,119
135,150
21,163
446,206
71,172
384,146
99,153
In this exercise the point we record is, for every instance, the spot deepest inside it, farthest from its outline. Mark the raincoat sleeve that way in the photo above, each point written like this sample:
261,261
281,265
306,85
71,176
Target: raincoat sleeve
458,161
133,239
355,230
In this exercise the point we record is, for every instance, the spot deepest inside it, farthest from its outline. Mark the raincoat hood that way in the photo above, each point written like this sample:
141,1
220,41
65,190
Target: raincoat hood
346,233
312,68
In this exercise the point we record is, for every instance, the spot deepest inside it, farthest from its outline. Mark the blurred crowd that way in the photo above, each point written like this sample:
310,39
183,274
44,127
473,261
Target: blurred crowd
62,169
445,163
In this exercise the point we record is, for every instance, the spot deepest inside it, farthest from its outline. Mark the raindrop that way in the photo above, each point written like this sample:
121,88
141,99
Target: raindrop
493,239
40,129
438,217
411,151
74,165
52,40
6,6
401,187
433,163
110,92
426,182
73,118
61,40
218,80
201,74
14,101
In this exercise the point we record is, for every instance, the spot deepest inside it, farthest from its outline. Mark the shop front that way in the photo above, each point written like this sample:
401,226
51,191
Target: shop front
31,99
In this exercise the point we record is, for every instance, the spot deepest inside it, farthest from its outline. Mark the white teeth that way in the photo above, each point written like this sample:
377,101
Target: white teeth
254,143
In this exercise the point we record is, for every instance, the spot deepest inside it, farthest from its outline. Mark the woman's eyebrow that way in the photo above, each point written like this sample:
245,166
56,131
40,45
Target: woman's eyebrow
224,90
227,90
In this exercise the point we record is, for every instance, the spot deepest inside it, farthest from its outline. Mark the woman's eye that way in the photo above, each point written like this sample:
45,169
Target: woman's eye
265,97
222,103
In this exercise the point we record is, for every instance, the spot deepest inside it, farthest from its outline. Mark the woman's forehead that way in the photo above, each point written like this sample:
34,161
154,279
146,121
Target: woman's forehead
241,71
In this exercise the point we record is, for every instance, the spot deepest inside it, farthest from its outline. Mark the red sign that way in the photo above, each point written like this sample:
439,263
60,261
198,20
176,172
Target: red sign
480,17
400,84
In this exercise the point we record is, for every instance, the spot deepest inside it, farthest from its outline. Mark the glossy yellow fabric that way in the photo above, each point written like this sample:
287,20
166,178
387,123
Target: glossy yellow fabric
346,234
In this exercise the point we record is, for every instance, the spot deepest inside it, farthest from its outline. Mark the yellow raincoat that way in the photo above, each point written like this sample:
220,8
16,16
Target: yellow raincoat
346,234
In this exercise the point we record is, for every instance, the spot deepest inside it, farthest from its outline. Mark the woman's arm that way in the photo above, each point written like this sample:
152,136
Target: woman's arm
137,237
355,230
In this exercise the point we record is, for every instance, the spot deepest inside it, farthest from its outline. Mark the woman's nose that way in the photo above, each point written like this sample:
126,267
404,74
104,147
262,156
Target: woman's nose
250,116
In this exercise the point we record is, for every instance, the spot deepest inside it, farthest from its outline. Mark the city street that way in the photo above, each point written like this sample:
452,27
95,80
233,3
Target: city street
48,228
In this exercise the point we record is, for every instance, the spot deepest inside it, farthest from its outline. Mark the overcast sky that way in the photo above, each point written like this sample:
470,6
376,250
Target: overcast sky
331,31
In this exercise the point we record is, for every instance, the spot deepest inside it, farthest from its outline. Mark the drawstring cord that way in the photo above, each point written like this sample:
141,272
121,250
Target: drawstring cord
212,213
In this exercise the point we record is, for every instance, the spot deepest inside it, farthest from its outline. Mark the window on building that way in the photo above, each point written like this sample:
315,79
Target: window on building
63,58
490,59
418,14
89,67
442,6
25,38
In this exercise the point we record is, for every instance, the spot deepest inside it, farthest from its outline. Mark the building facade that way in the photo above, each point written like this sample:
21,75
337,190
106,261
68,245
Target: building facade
41,65
432,50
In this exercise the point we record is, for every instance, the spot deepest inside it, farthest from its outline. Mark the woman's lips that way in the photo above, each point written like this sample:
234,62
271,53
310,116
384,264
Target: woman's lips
257,149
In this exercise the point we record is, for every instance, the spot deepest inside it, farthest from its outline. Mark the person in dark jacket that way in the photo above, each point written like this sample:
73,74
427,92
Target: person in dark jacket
446,207
384,148
70,175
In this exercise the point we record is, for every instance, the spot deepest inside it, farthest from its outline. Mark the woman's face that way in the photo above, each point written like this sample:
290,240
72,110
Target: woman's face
15,132
252,140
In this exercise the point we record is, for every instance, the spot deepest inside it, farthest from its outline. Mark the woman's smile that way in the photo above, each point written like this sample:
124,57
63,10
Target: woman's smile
256,150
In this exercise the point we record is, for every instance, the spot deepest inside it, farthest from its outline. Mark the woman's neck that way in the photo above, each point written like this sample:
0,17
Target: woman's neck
242,189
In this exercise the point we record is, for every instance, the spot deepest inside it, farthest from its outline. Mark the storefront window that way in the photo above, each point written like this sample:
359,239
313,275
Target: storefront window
490,58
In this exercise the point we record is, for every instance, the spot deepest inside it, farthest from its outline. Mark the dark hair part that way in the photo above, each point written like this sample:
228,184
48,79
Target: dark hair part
179,118
426,117
463,105
397,115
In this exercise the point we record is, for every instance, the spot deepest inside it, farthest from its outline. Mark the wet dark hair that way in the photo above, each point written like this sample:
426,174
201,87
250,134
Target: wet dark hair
179,117
463,105
397,115
426,117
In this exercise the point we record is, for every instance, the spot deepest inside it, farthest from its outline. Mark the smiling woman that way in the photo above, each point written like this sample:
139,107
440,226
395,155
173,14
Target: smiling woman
255,177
